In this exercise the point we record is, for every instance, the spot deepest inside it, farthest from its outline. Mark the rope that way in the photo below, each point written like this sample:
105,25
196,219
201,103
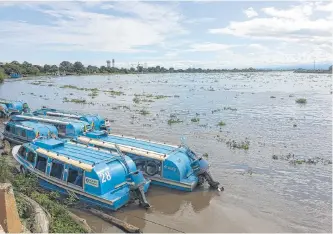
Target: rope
160,224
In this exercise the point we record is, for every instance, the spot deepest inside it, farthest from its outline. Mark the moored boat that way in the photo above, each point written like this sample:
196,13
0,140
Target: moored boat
19,132
9,107
94,176
167,165
96,121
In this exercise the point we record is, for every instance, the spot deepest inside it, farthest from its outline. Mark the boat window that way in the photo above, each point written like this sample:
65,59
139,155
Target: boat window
75,177
23,133
22,152
62,129
57,170
31,157
41,163
8,128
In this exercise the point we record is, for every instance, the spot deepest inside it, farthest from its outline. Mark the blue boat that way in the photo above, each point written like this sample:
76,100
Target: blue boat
167,165
19,132
96,121
8,107
15,75
94,176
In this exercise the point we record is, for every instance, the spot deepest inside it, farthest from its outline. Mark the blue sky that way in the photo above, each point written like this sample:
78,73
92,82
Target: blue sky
178,34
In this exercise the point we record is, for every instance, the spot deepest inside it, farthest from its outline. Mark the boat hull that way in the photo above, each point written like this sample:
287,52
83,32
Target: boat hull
122,195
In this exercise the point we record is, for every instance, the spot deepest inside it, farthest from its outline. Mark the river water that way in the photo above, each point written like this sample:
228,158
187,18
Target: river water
261,194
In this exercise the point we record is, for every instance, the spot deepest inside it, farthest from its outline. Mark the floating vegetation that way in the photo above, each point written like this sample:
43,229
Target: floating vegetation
295,160
230,108
112,92
174,121
217,110
195,120
176,96
205,155
136,100
273,97
291,95
221,123
238,145
161,96
144,112
74,100
301,100
93,94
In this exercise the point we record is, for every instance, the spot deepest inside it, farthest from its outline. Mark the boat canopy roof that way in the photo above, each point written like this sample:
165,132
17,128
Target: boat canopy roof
53,120
95,119
35,126
77,155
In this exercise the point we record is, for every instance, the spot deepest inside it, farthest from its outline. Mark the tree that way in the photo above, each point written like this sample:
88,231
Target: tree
330,68
47,68
2,74
66,66
54,68
78,67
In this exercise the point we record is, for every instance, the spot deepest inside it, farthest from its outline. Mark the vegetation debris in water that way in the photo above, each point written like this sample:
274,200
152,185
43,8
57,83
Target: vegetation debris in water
74,100
174,121
238,145
205,155
301,101
144,112
195,120
221,123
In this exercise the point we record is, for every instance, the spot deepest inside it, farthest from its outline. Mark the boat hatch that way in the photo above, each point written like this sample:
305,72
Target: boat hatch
49,143
96,134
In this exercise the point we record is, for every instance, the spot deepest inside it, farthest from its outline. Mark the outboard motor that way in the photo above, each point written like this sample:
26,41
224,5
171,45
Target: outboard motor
137,182
200,167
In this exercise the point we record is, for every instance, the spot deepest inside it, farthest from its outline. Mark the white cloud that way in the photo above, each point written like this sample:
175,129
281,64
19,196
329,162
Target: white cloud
296,12
250,12
200,20
206,47
75,28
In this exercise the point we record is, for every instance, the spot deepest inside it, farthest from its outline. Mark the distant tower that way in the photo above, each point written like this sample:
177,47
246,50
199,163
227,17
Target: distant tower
112,62
108,63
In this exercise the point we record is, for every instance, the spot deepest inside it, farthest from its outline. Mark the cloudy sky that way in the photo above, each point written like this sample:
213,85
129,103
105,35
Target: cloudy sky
180,34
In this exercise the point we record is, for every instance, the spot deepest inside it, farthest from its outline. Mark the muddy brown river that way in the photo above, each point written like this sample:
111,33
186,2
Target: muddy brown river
262,193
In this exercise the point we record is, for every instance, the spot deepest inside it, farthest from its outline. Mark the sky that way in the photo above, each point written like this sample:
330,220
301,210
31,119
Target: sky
216,34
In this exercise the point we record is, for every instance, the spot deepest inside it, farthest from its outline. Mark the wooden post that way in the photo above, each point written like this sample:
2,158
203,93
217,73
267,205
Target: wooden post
9,218
129,228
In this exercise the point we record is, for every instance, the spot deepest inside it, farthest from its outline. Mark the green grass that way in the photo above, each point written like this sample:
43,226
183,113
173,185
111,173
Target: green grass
301,100
221,123
195,120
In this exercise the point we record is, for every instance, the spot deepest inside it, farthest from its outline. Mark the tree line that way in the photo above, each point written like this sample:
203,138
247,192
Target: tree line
27,68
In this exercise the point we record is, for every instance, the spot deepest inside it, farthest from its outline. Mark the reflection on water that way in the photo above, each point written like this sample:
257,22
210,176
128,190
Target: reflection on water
274,194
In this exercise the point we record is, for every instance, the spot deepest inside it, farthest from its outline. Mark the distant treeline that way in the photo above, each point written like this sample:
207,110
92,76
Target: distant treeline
66,67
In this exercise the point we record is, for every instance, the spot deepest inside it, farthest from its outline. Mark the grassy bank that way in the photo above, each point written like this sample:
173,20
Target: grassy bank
60,222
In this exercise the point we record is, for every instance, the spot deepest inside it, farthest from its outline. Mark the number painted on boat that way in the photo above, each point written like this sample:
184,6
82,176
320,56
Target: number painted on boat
105,175
170,168
91,182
